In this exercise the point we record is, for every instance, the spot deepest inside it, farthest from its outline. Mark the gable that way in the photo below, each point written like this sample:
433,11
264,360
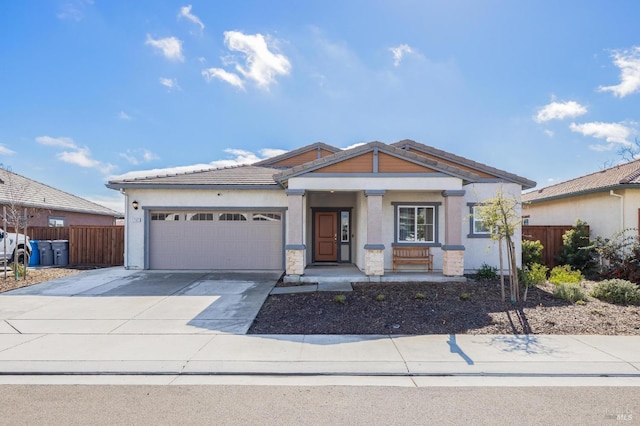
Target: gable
480,173
391,164
359,164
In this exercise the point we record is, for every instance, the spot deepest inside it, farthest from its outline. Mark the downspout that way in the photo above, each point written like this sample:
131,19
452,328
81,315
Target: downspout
126,231
613,194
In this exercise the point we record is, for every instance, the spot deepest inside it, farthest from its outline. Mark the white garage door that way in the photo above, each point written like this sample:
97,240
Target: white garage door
216,240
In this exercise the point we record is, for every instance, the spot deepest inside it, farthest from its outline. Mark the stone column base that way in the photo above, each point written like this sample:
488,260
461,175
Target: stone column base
453,263
295,262
374,262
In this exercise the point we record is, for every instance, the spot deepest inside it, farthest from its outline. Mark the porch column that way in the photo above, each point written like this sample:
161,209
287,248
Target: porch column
453,250
294,246
374,248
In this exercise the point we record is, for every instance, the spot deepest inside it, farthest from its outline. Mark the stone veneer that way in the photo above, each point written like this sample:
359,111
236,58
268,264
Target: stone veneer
295,262
453,263
374,262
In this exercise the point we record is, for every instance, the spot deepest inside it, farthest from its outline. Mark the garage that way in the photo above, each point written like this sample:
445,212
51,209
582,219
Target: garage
207,240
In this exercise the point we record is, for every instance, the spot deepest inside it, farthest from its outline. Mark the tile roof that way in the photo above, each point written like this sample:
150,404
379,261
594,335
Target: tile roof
23,191
238,176
619,176
526,183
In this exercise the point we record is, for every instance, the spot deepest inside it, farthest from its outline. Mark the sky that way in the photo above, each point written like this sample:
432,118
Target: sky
92,90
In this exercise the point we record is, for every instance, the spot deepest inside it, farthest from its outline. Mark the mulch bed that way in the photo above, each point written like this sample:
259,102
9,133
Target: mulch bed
442,310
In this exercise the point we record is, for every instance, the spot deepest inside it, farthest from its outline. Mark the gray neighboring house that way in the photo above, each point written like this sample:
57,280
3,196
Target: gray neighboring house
608,200
48,206
317,205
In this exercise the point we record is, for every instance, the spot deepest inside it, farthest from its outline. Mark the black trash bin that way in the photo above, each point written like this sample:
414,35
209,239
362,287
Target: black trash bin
60,252
46,253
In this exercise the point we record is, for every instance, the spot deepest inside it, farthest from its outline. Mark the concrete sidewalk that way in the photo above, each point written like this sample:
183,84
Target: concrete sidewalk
115,321
198,354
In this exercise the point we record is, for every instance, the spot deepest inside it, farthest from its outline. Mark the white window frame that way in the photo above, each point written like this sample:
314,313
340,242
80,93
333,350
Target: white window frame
433,223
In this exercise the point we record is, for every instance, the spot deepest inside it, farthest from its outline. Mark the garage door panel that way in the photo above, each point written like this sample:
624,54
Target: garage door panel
216,244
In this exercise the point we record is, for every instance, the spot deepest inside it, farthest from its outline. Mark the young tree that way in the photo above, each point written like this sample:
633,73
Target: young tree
501,215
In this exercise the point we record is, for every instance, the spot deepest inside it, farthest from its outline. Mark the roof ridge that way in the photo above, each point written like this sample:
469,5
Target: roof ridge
188,172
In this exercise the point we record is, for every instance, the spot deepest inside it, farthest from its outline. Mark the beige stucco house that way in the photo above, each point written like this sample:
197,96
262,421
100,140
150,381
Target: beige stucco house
608,200
317,205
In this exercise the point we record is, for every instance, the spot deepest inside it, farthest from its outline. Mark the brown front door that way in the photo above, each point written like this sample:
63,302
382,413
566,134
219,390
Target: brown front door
326,237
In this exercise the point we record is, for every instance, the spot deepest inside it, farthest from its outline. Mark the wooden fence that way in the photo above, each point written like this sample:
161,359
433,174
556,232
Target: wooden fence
551,238
88,245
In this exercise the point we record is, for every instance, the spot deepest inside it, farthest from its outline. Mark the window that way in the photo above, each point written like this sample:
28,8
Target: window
344,227
235,217
165,216
415,224
56,222
478,228
200,216
264,217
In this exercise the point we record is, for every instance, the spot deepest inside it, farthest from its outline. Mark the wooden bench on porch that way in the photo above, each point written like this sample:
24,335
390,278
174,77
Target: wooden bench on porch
412,256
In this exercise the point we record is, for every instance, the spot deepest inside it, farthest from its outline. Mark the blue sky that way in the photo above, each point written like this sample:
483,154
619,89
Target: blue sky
549,90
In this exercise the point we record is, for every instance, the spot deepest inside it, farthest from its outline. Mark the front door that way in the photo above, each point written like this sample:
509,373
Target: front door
326,237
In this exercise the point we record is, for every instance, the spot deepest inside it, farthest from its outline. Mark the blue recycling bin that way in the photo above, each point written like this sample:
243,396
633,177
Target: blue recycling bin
34,260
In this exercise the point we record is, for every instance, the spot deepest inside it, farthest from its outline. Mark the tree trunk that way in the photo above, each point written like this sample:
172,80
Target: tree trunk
501,269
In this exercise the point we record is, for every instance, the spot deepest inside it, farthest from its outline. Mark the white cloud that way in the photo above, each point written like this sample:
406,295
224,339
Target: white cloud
171,47
115,202
629,63
612,133
61,142
4,150
82,157
73,9
169,83
139,156
219,73
124,116
239,157
560,111
185,12
355,145
271,152
549,133
399,52
261,62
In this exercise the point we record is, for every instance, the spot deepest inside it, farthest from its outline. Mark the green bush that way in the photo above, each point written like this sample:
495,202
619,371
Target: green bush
533,275
571,292
577,250
620,255
531,253
340,298
618,291
564,274
487,272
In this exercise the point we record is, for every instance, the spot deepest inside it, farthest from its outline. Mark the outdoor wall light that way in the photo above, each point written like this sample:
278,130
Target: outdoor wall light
134,205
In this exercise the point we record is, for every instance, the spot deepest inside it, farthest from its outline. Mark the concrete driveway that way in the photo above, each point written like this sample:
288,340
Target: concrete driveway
117,301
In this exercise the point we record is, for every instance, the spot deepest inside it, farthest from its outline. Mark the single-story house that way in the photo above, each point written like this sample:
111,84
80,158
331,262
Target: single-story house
48,206
317,205
608,200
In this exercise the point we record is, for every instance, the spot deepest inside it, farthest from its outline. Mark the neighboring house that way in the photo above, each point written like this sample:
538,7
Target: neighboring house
608,200
317,205
47,206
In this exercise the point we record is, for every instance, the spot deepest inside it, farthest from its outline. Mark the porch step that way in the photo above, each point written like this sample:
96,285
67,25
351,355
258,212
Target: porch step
310,288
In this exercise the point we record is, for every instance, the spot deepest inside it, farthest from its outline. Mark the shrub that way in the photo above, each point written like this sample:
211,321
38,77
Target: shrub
340,298
380,297
531,253
487,272
17,269
420,296
576,250
533,275
617,291
571,292
620,255
564,274
465,296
